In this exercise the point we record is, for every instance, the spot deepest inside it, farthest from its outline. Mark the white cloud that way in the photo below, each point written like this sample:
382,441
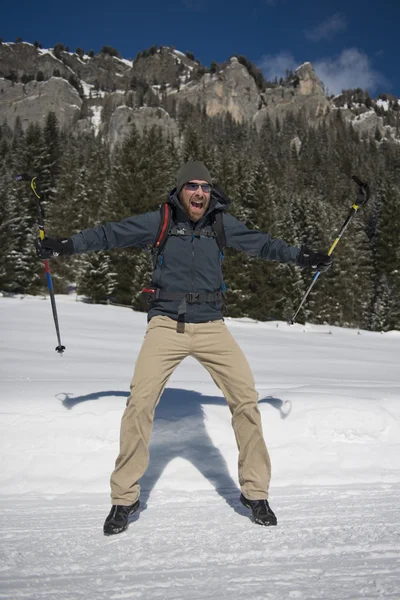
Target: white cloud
276,65
327,29
350,70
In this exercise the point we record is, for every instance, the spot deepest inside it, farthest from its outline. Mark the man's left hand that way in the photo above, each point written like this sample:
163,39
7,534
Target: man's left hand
314,260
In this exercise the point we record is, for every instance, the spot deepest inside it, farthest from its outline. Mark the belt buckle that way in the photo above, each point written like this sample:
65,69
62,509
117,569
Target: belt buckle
193,297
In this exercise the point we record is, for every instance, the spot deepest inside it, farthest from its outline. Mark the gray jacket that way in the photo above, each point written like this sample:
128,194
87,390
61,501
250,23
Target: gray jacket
189,263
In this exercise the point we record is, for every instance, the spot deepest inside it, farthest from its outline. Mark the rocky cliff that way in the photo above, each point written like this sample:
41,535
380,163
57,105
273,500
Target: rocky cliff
107,93
32,102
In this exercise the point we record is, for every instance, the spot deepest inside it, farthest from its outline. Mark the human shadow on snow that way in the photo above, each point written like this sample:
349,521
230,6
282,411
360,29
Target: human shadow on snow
180,431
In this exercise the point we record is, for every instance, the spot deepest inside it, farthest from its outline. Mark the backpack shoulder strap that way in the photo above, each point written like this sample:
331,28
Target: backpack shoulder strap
218,227
165,224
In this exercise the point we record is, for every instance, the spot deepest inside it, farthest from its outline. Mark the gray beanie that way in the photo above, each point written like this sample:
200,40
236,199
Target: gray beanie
192,170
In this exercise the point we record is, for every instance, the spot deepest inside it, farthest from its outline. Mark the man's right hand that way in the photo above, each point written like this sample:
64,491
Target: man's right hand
53,247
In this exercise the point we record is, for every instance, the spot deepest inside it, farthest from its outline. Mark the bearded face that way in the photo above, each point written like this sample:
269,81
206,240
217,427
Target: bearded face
195,197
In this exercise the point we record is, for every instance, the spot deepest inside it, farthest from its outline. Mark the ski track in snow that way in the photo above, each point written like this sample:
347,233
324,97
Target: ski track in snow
330,407
341,543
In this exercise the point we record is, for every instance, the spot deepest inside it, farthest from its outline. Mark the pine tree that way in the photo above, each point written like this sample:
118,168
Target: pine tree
96,280
20,273
386,303
5,219
50,167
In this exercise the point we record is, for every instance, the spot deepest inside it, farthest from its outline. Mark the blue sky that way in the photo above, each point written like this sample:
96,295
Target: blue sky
349,44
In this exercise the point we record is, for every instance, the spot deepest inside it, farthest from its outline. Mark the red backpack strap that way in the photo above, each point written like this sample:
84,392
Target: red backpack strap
165,224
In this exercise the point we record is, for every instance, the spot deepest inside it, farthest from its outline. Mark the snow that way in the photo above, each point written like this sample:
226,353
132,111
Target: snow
43,51
125,107
128,63
304,64
96,118
78,58
179,54
16,43
330,405
366,115
182,85
88,88
383,103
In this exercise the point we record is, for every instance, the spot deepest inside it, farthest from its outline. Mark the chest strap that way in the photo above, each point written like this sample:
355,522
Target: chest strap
190,233
184,297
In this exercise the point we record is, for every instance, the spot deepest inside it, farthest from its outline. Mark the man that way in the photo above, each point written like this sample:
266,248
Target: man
185,319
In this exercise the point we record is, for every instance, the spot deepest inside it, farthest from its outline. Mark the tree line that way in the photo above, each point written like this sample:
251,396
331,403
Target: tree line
288,179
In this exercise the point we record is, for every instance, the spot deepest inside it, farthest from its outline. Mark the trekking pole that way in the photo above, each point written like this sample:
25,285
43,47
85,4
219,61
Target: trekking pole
362,198
24,177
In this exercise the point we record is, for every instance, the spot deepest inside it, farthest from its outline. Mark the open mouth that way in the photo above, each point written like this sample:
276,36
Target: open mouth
196,205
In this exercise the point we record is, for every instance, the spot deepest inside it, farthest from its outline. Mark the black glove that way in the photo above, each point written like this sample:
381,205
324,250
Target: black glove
314,260
53,247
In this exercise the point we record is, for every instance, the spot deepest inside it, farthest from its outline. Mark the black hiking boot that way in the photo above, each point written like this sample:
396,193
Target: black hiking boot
118,518
262,512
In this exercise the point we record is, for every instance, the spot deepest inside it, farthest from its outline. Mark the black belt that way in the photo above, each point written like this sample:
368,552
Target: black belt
191,297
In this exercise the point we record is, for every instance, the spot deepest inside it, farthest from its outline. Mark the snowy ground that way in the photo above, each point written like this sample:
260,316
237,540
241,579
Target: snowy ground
330,403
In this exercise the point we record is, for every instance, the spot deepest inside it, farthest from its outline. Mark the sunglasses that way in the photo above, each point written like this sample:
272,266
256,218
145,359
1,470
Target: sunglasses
192,187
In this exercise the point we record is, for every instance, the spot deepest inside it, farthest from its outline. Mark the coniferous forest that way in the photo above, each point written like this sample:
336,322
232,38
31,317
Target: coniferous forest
301,195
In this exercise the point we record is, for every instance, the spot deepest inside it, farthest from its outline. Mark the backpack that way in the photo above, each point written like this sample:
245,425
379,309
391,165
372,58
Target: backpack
166,210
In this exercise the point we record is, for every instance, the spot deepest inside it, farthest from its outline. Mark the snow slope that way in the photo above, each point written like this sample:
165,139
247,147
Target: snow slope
330,403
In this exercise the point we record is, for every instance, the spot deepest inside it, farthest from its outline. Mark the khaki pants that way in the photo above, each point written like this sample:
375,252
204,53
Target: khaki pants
162,351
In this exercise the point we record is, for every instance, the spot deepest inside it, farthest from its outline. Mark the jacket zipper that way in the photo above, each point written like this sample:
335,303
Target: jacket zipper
192,259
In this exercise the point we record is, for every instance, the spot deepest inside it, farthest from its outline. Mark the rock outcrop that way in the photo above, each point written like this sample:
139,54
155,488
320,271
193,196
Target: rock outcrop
305,93
102,71
367,124
25,60
308,82
33,101
230,90
107,94
124,117
163,67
